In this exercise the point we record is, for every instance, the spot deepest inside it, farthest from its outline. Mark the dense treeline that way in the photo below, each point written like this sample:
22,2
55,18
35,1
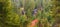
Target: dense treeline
29,13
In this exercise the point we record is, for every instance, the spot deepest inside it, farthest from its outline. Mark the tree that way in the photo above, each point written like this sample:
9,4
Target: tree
9,17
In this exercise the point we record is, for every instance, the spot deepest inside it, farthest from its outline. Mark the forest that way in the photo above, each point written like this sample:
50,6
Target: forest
29,13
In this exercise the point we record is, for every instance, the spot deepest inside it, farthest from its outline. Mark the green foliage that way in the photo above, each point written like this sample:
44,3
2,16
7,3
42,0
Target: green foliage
11,12
7,16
